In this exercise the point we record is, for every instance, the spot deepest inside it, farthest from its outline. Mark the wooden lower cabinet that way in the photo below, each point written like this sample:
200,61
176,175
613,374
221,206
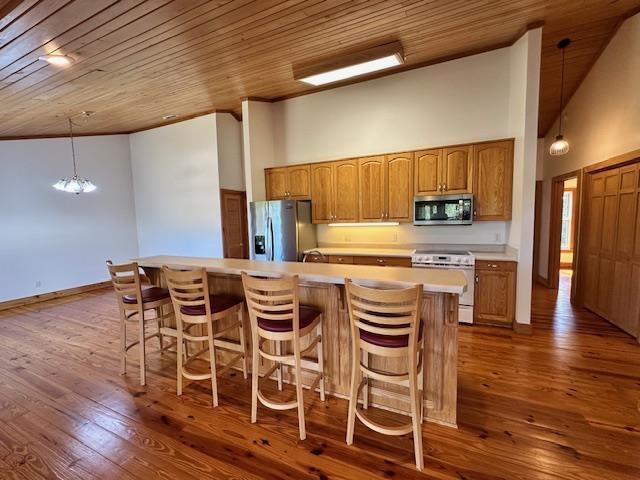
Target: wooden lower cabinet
383,261
495,293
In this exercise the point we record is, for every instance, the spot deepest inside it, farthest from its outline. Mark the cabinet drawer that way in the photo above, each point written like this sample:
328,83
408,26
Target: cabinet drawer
498,266
383,261
340,259
317,259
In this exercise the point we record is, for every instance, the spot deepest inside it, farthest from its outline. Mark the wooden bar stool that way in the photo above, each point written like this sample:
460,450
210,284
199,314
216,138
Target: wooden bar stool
133,302
386,323
276,315
194,305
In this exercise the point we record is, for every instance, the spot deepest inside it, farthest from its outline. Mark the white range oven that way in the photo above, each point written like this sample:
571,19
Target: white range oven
463,261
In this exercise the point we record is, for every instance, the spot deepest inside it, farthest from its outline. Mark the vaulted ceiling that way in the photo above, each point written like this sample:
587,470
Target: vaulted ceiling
138,60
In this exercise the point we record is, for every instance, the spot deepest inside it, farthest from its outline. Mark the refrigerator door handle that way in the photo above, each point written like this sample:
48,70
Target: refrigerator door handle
269,239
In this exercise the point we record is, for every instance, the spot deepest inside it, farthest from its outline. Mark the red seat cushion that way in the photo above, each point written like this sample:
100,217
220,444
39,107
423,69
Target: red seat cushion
307,316
389,341
151,294
219,303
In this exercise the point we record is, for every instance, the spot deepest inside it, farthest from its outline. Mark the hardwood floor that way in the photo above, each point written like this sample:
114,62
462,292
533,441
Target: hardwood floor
560,403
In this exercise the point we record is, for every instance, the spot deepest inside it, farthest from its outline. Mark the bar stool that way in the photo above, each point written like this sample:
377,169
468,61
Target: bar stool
194,305
386,323
276,315
134,300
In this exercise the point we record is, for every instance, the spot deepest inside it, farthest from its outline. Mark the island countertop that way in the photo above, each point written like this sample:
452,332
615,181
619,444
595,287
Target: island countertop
434,280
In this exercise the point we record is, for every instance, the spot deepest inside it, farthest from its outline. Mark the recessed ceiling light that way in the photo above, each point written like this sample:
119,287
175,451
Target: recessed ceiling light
353,65
57,60
169,117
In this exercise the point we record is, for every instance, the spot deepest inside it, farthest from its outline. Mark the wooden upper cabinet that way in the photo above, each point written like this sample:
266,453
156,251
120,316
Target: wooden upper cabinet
371,179
288,183
399,187
428,168
493,180
276,180
457,169
321,193
345,191
299,187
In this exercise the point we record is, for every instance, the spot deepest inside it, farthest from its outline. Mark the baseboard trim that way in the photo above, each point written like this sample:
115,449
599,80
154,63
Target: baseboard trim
542,281
522,328
20,302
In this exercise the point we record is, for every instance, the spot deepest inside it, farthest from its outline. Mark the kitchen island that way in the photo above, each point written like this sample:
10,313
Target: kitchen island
322,285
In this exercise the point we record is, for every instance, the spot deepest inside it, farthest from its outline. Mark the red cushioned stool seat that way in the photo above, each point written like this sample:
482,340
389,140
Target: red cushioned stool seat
151,294
307,316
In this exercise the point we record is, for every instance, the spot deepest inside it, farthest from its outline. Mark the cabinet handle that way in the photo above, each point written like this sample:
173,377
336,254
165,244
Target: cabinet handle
493,265
475,213
477,278
445,187
439,187
380,260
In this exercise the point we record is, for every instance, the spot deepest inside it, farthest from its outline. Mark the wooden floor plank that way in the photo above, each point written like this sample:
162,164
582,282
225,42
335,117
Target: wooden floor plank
560,403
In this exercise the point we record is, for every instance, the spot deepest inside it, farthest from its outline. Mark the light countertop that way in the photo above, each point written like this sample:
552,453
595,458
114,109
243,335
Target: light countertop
434,280
509,255
364,252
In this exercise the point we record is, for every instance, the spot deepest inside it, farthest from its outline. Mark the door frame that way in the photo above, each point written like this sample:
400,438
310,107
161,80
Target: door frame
244,220
555,228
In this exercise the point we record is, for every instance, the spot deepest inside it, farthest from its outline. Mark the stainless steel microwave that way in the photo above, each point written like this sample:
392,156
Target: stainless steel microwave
443,210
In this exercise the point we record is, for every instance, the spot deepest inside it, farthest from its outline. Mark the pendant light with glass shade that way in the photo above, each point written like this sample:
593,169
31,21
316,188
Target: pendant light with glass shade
560,146
75,184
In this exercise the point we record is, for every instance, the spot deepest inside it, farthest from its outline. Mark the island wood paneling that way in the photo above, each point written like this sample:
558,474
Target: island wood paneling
440,314
207,55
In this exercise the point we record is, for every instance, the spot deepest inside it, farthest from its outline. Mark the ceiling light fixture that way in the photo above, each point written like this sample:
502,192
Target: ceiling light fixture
560,146
75,184
365,224
352,65
57,60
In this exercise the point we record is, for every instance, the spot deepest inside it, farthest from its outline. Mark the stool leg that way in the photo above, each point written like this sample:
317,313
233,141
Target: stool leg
421,391
123,342
243,342
365,389
321,361
212,364
278,344
353,394
415,413
255,375
143,366
180,356
159,316
299,397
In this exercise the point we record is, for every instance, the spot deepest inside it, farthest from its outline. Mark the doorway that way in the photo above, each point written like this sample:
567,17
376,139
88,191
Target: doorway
563,232
233,205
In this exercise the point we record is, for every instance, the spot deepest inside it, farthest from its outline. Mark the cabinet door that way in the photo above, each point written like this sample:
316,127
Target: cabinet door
494,297
321,193
399,187
493,180
298,187
372,188
276,181
457,168
427,167
345,191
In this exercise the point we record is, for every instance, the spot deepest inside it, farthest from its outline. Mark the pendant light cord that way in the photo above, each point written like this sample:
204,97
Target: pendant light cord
73,148
561,92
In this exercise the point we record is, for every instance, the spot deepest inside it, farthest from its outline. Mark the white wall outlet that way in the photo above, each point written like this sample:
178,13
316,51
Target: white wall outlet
38,283
497,237
394,237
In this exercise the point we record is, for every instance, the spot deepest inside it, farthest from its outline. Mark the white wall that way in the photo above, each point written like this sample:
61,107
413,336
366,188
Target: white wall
56,238
229,148
523,124
176,185
602,119
258,148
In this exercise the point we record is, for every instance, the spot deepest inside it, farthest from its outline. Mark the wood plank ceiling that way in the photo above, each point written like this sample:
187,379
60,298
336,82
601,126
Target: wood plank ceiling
138,60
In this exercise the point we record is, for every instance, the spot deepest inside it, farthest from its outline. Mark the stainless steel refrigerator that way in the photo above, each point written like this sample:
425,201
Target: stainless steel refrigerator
281,230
